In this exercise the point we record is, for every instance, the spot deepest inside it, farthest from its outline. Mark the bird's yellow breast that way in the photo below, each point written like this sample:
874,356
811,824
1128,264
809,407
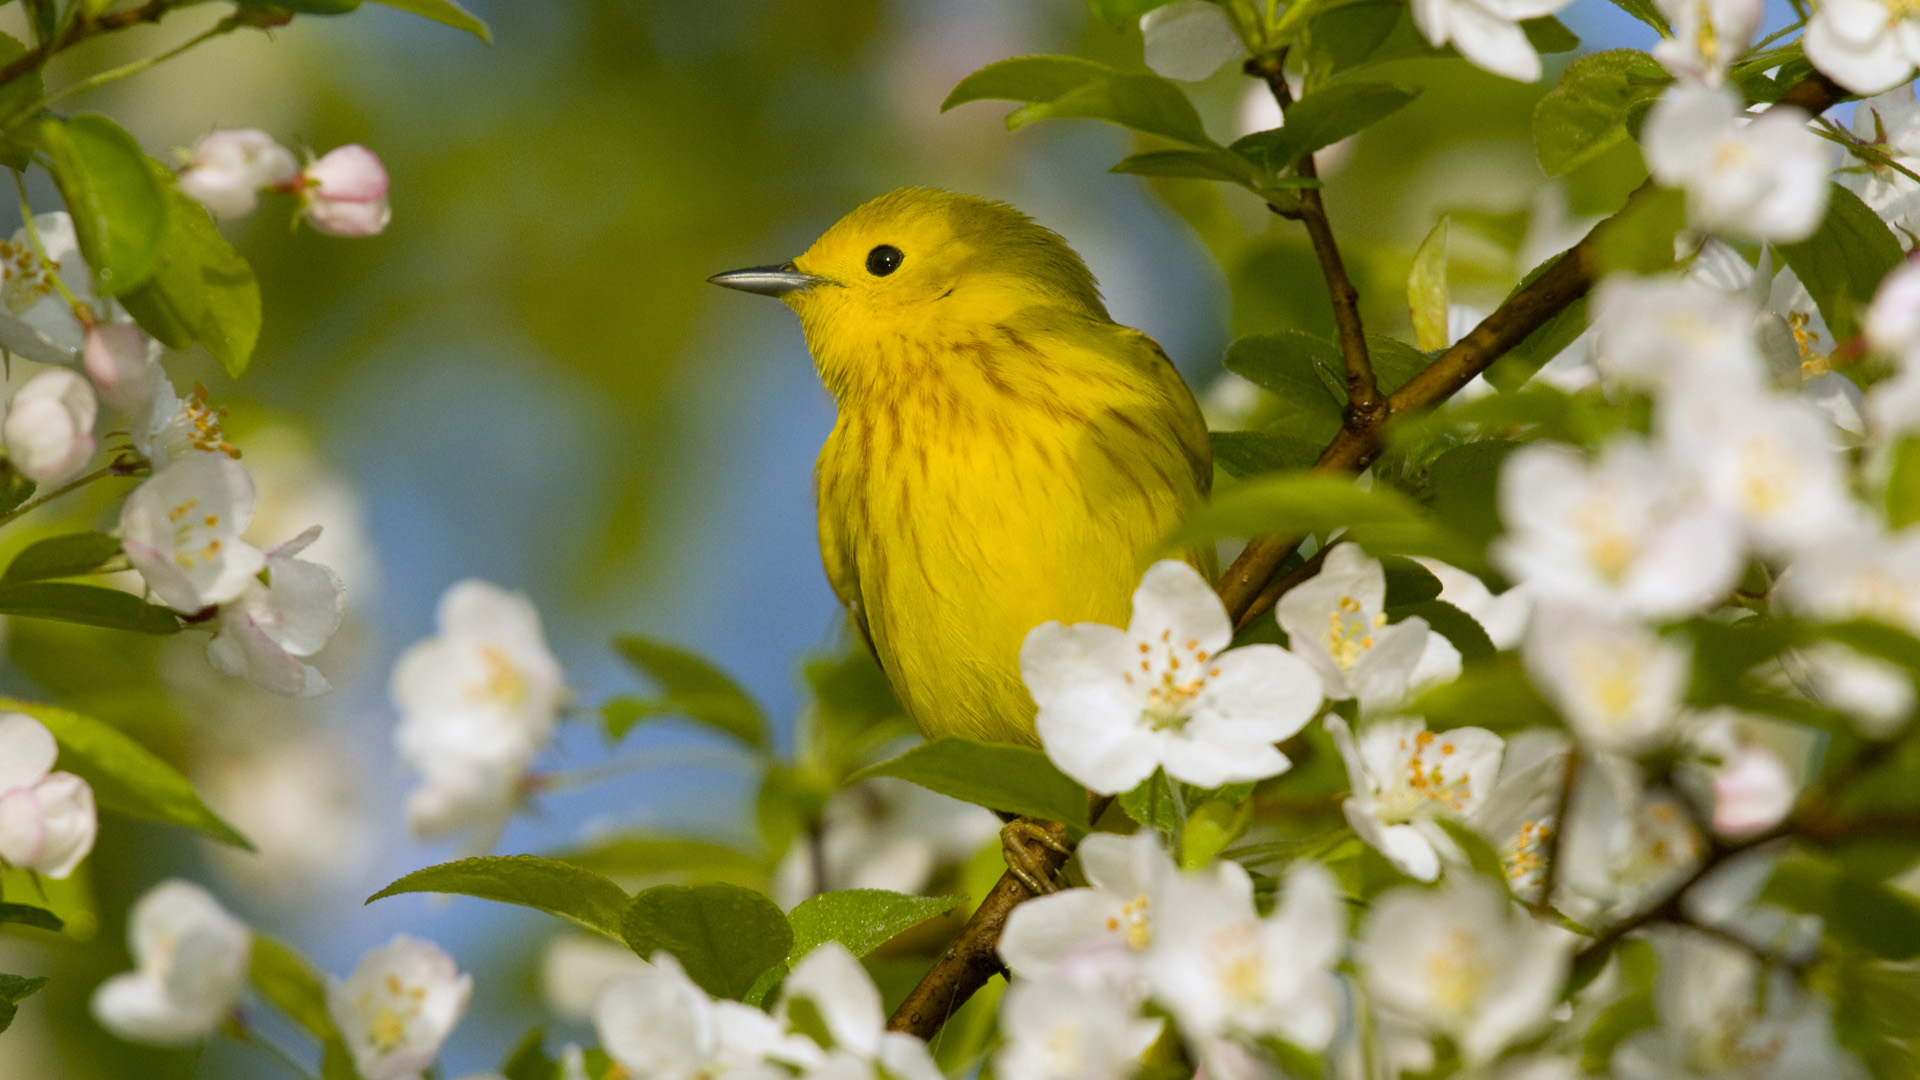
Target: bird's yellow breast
999,476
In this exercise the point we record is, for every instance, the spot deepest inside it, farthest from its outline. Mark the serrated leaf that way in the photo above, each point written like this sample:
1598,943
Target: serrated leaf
1548,340
528,1059
88,605
13,990
1250,453
1322,118
1842,263
1152,803
1549,35
1408,582
1395,362
119,211
1383,521
860,919
72,555
1586,114
21,97
1296,369
125,776
1344,36
200,290
28,915
1427,289
1463,487
723,935
580,896
445,12
998,776
1026,78
1146,103
690,687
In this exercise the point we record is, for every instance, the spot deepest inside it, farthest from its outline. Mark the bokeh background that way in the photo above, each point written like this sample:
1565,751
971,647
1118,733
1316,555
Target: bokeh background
528,380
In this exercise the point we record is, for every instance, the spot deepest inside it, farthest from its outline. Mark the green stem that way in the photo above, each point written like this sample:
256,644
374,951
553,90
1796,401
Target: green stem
226,25
101,473
1860,148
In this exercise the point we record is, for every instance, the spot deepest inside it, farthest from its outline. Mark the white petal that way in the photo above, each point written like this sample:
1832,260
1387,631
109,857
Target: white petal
1056,658
1173,596
66,806
27,750
1093,733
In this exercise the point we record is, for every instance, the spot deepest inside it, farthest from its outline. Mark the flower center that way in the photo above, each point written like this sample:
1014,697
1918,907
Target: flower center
1768,476
387,1018
1425,780
188,524
1175,674
28,277
1238,962
1457,971
501,681
1350,632
1525,856
1608,677
204,424
1610,547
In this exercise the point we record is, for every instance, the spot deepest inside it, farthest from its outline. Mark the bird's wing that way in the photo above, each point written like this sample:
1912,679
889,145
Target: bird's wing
1183,412
843,573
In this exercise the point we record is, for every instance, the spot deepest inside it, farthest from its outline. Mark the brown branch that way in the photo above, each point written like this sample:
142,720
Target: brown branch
83,27
972,958
1366,410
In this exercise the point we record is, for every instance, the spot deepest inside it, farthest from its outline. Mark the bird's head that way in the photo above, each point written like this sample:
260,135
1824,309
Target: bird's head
916,269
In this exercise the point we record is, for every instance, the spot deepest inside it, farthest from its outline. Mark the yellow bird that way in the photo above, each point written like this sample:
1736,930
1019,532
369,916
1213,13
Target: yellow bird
1005,453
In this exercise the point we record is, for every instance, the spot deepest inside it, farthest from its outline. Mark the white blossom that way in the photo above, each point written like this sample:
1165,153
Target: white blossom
124,366
1622,844
1752,791
1650,329
576,968
398,1007
1520,815
1336,621
1876,693
847,1008
1115,704
1621,534
1763,179
1402,776
1486,32
38,323
190,956
262,635
1708,36
227,169
1619,684
1866,46
181,529
1890,123
49,426
1461,961
47,821
1188,40
882,833
477,703
1065,1031
660,1025
1099,934
175,428
1892,324
345,193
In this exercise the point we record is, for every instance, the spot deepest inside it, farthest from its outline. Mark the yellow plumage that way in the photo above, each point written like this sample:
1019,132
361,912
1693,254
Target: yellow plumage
1005,453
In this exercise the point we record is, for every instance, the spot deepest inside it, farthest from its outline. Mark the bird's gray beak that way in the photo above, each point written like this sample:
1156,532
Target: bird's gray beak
767,280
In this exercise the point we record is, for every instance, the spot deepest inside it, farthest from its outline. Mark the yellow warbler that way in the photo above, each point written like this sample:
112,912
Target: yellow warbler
1005,453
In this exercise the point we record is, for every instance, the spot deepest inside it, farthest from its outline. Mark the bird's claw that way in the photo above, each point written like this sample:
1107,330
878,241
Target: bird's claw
1035,870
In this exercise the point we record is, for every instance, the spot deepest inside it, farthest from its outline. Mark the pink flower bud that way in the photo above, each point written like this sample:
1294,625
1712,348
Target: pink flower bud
1751,792
121,363
226,170
49,426
346,193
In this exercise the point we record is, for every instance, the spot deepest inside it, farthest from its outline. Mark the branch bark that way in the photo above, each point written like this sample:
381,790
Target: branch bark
972,959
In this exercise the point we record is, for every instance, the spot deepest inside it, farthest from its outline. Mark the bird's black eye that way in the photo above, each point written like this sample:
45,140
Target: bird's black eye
883,260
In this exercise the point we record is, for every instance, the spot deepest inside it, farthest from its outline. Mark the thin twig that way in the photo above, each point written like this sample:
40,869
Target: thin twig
84,27
224,26
114,469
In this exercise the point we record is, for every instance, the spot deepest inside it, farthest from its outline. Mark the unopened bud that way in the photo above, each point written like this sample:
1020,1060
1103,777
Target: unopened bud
226,170
49,426
346,193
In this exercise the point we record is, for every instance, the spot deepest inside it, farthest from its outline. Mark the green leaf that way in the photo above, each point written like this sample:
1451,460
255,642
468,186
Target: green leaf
851,696
1153,803
1067,86
998,776
201,289
1586,115
528,1059
1480,854
1903,483
724,936
1461,630
1122,13
1383,521
579,896
119,210
1463,487
1879,919
14,488
1646,13
1249,453
281,975
860,919
23,95
1344,36
1395,363
88,605
13,990
28,915
1427,289
1296,368
1548,340
1549,35
1495,696
650,854
1208,164
446,12
1323,118
1639,239
1408,582
1842,263
1026,78
72,555
126,777
318,7
689,687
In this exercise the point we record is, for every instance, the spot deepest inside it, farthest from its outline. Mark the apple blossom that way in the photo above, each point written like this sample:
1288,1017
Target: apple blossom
47,822
227,169
49,426
398,1007
190,957
883,833
1402,776
1621,534
1099,934
1892,324
38,323
477,703
844,1006
1859,572
658,1024
1648,329
576,968
1520,815
345,193
1188,40
1461,961
1866,46
1059,1031
181,529
1876,693
1762,179
1618,684
1486,32
1623,843
1708,36
1337,623
1115,704
124,366
174,428
261,635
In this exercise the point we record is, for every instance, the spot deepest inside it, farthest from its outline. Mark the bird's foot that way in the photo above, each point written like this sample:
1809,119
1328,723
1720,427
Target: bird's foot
1029,847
